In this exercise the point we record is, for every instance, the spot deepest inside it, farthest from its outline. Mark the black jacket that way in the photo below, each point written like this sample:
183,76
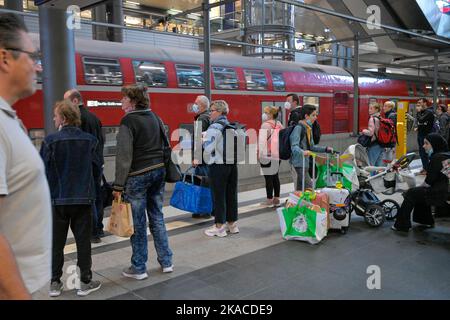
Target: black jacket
205,121
425,120
91,124
437,193
139,146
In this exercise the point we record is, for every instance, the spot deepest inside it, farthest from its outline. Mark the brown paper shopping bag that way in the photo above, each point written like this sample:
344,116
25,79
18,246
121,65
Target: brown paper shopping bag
121,220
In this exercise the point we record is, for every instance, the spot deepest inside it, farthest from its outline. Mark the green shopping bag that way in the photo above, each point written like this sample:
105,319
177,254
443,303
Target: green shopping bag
303,223
346,169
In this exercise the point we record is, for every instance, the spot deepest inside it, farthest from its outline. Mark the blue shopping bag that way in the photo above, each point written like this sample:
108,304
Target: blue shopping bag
192,198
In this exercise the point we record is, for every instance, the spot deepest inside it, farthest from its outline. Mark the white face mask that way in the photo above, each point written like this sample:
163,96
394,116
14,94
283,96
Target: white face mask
195,108
265,117
287,105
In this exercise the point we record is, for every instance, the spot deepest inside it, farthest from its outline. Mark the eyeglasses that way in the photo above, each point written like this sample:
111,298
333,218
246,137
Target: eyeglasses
35,56
213,110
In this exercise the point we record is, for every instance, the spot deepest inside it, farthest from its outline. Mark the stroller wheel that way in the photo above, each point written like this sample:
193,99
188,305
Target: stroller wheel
390,208
374,215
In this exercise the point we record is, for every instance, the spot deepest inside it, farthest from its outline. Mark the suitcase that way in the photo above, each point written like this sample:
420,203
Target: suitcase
339,200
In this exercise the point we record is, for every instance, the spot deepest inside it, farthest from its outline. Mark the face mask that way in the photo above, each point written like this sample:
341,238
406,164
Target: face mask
430,152
60,127
265,117
309,122
287,105
195,108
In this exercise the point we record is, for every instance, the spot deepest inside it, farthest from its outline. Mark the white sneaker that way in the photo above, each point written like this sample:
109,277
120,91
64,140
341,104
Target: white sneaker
168,269
214,231
232,228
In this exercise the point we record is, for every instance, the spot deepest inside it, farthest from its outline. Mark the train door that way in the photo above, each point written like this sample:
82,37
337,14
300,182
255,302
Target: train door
281,115
341,113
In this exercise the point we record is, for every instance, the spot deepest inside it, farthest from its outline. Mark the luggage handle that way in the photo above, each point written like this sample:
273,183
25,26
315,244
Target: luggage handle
313,155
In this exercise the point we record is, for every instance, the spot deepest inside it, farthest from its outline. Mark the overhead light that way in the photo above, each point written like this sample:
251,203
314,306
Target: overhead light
132,2
173,11
150,68
326,30
228,44
219,30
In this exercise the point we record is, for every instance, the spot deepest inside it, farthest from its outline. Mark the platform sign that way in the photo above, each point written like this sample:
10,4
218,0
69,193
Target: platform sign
402,109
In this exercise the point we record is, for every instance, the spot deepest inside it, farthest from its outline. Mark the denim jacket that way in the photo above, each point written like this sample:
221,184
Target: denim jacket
298,147
70,160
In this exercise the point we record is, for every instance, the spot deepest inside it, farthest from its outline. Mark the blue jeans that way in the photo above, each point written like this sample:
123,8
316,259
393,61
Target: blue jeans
145,192
375,151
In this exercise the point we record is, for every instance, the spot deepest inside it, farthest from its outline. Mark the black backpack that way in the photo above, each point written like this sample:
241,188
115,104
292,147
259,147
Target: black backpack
234,153
284,144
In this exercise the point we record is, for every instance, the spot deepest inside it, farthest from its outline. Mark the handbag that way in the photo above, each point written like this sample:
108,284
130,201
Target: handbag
173,171
190,197
106,193
121,219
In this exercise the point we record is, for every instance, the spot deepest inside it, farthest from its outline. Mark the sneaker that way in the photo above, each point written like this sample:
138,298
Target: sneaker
86,288
130,272
56,288
267,203
232,228
276,202
214,231
167,269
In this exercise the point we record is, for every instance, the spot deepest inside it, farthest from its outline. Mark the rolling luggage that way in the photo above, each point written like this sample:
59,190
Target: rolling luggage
339,199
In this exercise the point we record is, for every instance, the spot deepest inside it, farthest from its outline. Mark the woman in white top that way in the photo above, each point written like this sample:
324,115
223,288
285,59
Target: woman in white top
268,154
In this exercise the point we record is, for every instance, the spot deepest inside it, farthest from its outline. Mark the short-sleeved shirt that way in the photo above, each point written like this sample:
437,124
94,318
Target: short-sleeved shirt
25,208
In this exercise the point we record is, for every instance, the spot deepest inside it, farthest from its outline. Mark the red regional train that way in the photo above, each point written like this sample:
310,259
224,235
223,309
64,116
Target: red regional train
175,77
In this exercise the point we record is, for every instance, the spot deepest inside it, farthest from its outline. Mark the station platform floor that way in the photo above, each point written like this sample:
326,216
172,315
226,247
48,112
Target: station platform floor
257,264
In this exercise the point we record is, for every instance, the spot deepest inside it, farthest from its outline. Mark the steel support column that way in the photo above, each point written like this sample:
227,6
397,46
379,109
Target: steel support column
58,59
435,79
356,87
99,15
206,49
115,9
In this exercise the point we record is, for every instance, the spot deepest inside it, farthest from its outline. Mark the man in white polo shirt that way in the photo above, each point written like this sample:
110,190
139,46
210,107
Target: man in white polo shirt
25,209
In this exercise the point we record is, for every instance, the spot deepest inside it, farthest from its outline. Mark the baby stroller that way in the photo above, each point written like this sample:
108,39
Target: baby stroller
374,180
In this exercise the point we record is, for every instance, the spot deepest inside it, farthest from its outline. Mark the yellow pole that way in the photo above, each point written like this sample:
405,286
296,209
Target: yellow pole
402,109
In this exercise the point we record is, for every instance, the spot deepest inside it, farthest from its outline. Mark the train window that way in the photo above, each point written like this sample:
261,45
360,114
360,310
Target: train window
189,76
278,81
102,71
410,89
312,69
256,79
225,78
150,73
315,101
419,90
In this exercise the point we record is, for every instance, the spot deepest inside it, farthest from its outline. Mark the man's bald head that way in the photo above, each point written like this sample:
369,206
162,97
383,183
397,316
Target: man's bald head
74,96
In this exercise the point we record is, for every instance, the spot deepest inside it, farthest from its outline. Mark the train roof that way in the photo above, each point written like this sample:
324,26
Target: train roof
138,51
